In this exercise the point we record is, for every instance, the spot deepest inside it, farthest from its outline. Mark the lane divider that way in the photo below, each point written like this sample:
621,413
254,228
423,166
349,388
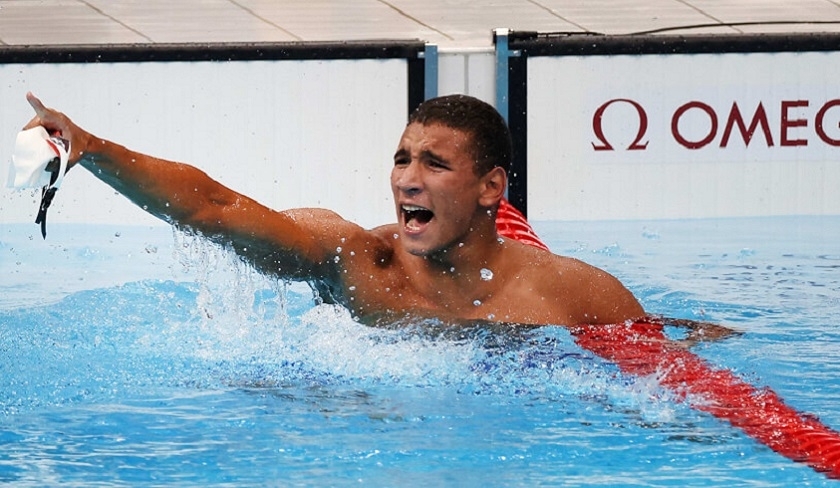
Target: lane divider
642,349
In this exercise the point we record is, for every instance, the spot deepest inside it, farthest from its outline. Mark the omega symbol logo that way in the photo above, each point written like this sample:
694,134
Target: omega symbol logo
598,128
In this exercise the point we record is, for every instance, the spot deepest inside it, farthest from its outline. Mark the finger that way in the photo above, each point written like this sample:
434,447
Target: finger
36,104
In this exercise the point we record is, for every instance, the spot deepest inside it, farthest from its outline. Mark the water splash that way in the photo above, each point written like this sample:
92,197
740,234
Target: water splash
232,327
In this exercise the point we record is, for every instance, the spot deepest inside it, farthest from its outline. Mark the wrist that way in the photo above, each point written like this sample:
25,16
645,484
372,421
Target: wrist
84,149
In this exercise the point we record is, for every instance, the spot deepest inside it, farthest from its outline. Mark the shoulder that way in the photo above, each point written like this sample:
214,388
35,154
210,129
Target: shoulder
327,227
588,293
348,243
544,262
318,242
566,272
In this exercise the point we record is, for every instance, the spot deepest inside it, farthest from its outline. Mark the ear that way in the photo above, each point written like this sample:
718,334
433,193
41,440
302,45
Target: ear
493,187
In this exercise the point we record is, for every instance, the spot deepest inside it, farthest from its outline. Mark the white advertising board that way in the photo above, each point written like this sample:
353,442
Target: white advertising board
313,133
683,135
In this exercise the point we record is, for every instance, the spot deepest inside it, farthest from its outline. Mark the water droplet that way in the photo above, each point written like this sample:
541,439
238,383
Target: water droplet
338,249
352,253
337,259
486,274
352,288
117,234
476,302
491,316
396,236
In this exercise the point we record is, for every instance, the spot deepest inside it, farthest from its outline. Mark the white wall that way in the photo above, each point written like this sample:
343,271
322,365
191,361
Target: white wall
791,165
322,133
468,71
289,133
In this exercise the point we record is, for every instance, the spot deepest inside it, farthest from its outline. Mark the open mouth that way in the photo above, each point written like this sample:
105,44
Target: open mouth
415,217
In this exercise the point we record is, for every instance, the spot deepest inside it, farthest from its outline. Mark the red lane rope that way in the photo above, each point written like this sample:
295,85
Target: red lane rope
511,223
642,349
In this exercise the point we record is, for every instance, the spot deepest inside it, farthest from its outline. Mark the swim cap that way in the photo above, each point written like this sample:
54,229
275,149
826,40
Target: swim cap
39,160
34,150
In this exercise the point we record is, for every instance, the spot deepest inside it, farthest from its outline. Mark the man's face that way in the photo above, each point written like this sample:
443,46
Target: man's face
435,186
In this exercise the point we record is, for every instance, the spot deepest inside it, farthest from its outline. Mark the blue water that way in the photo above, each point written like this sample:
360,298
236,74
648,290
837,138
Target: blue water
136,356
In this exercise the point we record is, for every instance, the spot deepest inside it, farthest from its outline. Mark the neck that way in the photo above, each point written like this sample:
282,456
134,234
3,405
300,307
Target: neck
477,249
460,275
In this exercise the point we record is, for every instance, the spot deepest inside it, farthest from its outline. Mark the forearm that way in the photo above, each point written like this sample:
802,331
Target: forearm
698,331
175,192
189,199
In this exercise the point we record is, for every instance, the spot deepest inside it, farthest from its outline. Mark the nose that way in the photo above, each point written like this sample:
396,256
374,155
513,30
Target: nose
407,178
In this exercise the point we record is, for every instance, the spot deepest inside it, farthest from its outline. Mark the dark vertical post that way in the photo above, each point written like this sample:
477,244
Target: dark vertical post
518,124
416,82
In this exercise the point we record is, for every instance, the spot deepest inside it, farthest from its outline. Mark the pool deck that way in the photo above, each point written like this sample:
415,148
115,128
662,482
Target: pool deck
450,24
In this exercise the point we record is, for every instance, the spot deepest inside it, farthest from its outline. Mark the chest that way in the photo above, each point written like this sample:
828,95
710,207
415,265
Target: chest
516,299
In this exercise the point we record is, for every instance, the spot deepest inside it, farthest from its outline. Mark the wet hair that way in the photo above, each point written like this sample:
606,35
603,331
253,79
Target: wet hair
490,136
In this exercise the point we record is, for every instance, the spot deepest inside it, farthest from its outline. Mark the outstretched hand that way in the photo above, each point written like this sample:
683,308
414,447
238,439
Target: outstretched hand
58,124
699,331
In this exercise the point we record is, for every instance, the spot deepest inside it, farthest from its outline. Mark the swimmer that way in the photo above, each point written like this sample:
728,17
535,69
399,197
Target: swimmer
443,258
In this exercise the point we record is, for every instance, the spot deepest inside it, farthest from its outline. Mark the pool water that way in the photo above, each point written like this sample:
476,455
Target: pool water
139,356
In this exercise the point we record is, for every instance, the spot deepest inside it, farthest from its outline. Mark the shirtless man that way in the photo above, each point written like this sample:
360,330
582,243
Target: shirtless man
442,258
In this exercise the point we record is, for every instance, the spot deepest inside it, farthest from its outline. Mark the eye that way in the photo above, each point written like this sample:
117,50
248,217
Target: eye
437,164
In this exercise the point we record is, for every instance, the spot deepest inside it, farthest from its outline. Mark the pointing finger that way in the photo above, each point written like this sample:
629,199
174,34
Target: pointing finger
36,104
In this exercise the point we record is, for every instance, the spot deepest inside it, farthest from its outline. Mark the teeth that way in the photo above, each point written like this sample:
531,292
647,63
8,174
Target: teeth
412,208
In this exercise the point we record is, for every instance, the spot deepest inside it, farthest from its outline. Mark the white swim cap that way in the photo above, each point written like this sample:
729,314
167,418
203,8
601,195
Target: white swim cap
39,161
34,150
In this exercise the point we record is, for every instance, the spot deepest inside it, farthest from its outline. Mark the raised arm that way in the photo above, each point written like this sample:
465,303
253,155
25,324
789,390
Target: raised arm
293,244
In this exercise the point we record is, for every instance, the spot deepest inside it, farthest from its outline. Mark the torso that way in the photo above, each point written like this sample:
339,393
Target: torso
381,285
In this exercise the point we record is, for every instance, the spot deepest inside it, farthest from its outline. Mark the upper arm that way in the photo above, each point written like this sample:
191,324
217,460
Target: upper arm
298,244
600,297
612,301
